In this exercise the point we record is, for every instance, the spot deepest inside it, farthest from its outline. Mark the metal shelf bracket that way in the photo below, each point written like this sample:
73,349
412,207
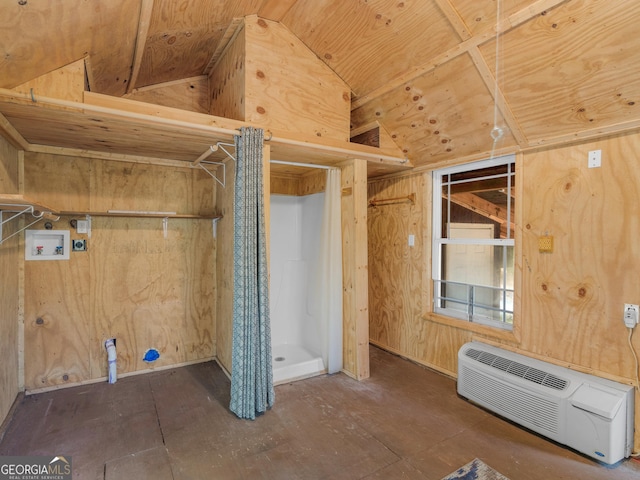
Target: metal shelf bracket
201,162
16,210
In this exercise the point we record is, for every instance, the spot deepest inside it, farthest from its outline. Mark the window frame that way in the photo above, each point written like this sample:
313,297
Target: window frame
438,242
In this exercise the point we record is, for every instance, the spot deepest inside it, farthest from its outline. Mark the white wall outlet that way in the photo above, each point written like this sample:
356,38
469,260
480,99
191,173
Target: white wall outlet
595,158
412,240
631,313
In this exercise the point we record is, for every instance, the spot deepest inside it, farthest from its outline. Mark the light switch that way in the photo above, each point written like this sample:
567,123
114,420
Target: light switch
412,240
82,226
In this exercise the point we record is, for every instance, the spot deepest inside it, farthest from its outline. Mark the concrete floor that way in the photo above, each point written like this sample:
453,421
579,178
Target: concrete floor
405,422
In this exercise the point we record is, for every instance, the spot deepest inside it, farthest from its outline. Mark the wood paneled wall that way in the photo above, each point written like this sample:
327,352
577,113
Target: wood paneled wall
190,94
309,183
570,301
66,83
10,265
268,77
132,283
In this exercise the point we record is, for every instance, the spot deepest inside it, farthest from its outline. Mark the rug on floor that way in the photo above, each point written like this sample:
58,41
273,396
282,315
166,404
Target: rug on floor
475,470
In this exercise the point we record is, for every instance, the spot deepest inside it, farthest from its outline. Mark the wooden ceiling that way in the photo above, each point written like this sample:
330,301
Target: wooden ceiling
425,70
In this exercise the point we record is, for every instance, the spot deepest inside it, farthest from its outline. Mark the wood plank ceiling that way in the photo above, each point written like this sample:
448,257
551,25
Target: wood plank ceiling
425,70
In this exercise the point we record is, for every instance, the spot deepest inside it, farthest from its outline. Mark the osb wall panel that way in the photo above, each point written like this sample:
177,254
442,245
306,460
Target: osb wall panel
288,88
227,82
191,94
10,263
355,305
132,283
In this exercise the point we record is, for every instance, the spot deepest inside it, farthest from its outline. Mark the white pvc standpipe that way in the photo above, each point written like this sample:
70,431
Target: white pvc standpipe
111,357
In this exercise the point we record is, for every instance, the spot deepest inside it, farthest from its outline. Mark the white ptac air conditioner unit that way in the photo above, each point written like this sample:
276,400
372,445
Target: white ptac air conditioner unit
589,414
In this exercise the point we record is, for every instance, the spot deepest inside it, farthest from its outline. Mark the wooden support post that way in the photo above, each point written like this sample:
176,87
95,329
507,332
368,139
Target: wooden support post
355,269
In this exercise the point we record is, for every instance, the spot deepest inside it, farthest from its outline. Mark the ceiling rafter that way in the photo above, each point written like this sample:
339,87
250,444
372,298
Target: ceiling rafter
496,92
462,48
454,19
485,208
146,9
234,28
12,135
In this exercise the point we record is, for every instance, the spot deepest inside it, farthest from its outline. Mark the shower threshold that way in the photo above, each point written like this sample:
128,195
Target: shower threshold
294,362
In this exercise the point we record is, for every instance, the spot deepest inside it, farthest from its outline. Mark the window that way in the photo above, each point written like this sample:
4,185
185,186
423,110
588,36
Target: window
473,241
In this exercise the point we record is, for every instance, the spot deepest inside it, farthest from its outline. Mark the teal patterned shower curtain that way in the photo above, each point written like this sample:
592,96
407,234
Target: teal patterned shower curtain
252,389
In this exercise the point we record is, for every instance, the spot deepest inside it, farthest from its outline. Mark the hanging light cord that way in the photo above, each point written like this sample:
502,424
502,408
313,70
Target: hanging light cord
497,132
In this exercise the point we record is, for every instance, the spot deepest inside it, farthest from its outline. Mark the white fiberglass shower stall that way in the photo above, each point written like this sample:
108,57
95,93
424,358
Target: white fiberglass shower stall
306,339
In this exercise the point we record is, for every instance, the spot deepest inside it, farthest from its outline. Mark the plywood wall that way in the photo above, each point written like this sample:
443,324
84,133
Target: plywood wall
314,181
269,78
571,300
132,283
189,94
227,80
66,83
10,265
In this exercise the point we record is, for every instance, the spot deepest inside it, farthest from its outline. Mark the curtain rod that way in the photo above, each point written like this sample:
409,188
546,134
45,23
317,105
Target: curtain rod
296,164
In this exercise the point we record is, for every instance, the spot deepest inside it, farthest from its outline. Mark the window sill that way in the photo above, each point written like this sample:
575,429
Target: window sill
484,330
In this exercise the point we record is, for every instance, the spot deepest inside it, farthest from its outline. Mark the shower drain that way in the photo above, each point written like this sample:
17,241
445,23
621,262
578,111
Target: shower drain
279,359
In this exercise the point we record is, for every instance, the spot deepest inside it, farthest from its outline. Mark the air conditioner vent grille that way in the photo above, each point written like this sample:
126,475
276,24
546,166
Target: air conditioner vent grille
518,369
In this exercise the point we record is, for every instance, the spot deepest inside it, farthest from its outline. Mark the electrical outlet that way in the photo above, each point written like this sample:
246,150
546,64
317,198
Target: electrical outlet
79,245
631,312
595,158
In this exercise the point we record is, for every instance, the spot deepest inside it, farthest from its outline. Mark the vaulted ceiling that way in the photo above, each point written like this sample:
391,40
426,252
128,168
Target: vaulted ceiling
432,73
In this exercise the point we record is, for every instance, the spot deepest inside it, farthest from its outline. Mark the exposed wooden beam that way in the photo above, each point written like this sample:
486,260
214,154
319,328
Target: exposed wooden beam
12,135
485,208
454,19
230,34
166,84
498,97
462,48
146,8
115,157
